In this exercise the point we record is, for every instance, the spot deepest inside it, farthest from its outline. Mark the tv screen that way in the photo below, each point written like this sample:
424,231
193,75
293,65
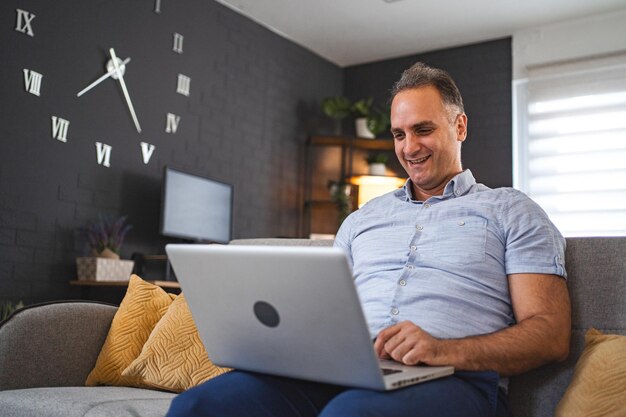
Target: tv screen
196,208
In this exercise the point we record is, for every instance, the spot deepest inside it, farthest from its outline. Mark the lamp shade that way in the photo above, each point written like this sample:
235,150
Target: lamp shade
371,186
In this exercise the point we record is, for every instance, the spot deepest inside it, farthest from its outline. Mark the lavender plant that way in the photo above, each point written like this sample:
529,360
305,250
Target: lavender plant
106,233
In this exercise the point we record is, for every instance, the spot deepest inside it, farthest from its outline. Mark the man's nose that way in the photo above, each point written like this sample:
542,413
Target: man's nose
412,145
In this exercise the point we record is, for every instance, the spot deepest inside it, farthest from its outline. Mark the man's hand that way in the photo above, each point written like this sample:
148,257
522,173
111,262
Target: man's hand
407,343
541,307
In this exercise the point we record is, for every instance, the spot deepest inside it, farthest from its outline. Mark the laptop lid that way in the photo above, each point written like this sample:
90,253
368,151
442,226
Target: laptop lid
287,311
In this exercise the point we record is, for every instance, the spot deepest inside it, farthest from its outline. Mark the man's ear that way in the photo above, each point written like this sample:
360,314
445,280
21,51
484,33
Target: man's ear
461,127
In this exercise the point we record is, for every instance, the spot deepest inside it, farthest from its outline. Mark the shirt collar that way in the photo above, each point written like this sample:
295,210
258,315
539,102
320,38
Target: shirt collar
459,185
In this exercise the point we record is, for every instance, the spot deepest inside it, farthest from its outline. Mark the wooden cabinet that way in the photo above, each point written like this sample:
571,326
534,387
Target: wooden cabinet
331,160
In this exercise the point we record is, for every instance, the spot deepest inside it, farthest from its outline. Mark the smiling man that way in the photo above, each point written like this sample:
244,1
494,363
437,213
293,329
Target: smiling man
448,271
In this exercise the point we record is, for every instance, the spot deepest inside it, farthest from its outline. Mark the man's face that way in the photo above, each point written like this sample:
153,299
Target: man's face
427,136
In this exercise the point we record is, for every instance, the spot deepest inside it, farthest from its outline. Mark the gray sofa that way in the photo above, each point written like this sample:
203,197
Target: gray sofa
47,351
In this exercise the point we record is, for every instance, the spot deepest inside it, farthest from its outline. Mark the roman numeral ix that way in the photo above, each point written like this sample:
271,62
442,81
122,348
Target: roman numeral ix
24,20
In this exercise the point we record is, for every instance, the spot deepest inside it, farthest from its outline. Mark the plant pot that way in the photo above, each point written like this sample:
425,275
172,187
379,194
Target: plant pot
377,168
362,131
103,269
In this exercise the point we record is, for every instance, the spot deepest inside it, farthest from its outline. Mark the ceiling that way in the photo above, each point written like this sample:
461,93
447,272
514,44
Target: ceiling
350,32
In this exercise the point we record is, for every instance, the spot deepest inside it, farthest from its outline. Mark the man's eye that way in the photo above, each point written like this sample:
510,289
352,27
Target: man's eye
424,132
398,135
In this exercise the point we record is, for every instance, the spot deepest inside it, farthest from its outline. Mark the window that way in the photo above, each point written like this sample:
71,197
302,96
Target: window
570,144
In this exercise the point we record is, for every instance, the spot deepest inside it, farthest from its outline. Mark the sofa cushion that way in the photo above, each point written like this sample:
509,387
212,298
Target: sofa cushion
84,402
174,358
599,382
141,309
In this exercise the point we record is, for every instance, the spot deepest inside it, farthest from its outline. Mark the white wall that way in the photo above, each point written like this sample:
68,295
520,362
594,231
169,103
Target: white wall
574,39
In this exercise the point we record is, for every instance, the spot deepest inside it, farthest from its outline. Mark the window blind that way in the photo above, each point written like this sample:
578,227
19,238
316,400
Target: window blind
570,133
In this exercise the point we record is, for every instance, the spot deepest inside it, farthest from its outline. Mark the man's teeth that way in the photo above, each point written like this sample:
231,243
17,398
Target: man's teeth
418,161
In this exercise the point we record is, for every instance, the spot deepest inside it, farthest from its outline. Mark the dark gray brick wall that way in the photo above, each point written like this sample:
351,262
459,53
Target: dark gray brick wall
255,99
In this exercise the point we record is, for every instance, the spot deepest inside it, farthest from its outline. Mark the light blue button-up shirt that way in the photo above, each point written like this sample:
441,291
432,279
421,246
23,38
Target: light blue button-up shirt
443,263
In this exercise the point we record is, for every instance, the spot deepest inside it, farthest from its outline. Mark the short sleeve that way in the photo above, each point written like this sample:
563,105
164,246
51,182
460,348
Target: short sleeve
533,244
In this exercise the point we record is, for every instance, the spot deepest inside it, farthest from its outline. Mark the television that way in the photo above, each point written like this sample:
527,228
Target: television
196,208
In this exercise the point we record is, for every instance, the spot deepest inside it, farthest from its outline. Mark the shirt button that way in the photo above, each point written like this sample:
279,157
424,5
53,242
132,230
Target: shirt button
413,248
461,223
395,311
426,205
410,266
419,227
402,282
457,192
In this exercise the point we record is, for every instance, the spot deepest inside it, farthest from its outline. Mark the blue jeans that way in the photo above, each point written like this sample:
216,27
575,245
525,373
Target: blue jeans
246,394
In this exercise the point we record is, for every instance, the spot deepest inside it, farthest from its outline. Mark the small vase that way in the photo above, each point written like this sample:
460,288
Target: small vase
362,131
377,168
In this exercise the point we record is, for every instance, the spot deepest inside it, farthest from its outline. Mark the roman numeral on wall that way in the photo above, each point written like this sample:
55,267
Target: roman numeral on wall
178,43
32,81
171,125
24,20
146,151
103,154
59,128
183,85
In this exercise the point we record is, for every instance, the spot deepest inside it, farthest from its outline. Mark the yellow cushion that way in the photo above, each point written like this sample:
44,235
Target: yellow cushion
598,387
174,358
141,309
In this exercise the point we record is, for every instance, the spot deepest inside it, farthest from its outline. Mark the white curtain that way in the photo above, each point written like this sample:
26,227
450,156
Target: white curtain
570,142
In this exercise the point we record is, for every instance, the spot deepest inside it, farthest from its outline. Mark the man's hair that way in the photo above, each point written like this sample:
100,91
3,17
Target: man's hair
421,75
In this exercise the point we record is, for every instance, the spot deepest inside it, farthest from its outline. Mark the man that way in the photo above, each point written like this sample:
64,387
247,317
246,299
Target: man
449,272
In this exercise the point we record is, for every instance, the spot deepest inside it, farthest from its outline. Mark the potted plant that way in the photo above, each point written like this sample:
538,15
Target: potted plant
378,122
362,110
7,307
105,238
341,195
377,163
337,108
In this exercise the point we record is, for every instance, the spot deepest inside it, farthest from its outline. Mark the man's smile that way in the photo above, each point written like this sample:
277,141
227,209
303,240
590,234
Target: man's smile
418,161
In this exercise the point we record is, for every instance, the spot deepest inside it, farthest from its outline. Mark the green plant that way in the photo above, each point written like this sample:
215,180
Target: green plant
7,307
377,158
337,107
363,107
341,195
106,233
378,122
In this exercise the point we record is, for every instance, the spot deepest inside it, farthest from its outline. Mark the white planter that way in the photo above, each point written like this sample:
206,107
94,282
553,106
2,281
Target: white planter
362,131
377,168
103,269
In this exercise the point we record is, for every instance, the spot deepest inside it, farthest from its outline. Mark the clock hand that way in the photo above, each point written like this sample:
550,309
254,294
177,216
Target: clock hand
121,80
99,80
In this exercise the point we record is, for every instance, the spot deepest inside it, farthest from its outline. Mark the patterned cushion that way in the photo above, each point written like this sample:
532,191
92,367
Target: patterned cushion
174,358
599,383
141,309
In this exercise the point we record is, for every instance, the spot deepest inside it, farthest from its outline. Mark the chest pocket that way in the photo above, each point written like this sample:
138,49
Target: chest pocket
458,241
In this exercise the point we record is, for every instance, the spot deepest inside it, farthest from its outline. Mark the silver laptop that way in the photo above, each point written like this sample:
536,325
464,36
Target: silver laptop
287,311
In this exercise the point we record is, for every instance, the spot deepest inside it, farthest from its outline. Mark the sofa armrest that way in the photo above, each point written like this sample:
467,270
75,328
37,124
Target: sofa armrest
53,344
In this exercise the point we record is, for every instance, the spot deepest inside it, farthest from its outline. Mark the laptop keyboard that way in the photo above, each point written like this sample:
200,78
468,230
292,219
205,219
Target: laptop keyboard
388,371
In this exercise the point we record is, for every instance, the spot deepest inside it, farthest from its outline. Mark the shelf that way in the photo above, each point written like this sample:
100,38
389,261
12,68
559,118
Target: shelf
336,159
320,202
162,284
356,143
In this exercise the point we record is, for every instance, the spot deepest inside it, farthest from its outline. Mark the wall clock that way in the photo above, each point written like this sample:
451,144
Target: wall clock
119,77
